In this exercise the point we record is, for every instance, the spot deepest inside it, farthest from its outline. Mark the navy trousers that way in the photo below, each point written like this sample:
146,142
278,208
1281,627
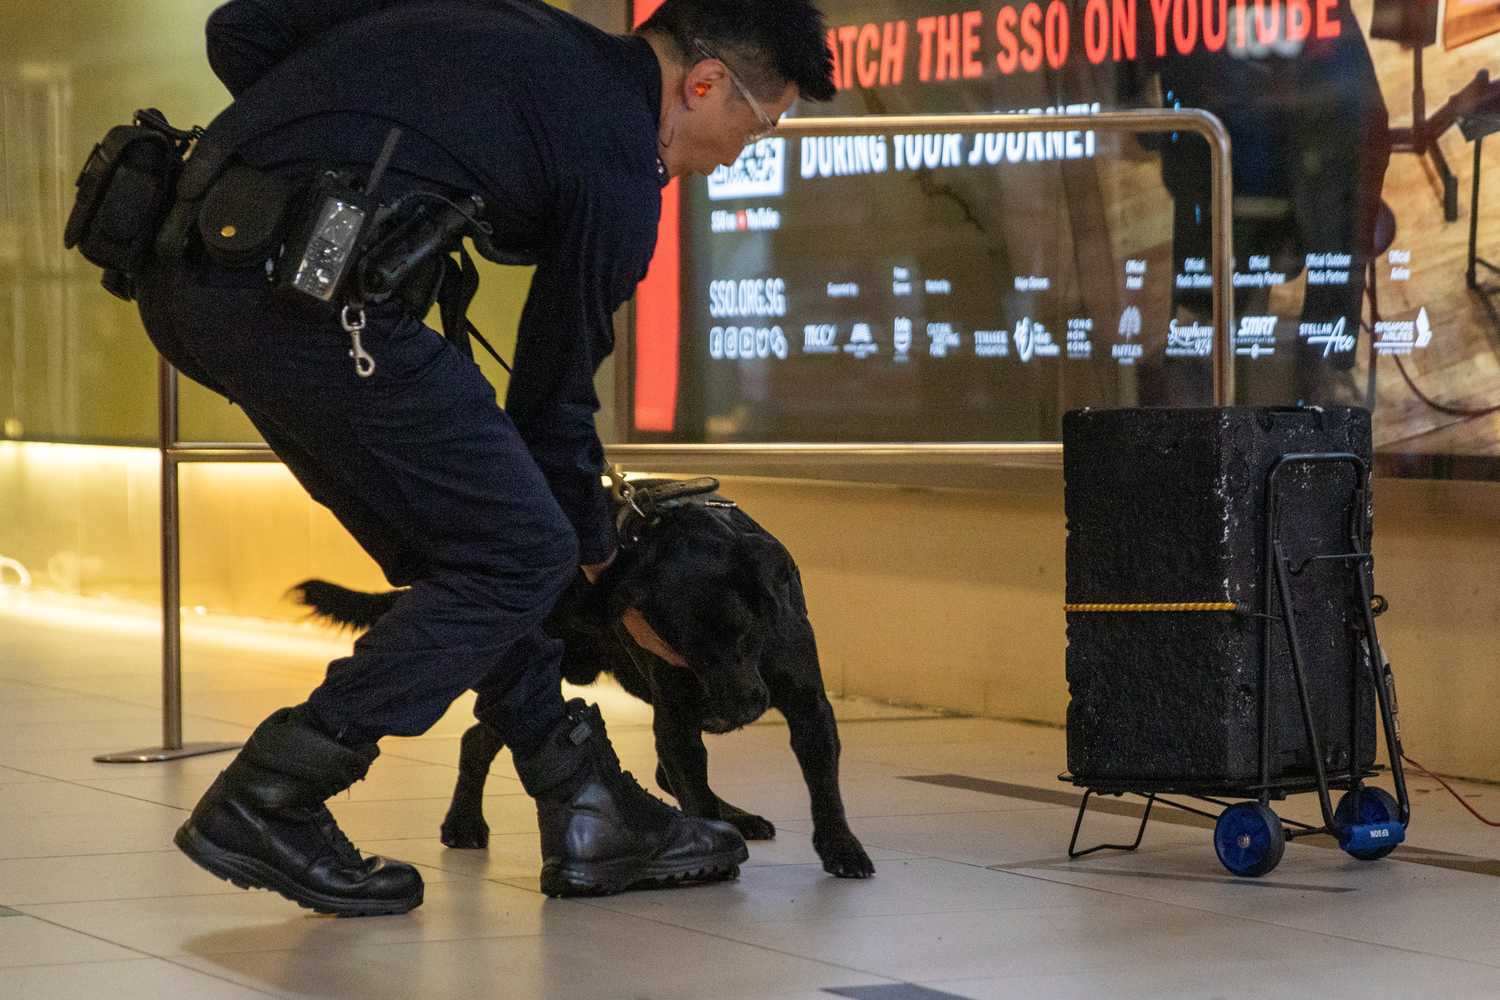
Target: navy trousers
427,473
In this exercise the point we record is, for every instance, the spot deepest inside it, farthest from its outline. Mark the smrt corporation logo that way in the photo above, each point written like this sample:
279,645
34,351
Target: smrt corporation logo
1256,337
760,172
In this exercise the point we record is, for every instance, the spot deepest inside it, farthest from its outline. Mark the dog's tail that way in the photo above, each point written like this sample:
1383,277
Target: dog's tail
356,609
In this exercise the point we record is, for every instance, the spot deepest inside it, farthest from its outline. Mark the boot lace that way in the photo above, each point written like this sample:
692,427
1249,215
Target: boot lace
343,847
632,794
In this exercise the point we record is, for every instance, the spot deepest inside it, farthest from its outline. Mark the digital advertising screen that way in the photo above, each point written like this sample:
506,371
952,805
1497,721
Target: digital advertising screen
973,287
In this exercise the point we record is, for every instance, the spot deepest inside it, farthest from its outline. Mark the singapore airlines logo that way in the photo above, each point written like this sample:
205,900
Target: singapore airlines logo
1424,329
1402,336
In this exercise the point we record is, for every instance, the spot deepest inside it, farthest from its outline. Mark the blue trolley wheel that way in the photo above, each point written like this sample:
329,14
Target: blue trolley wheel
1249,839
1375,806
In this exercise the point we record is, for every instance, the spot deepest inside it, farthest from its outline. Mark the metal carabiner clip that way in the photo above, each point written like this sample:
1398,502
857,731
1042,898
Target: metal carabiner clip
364,365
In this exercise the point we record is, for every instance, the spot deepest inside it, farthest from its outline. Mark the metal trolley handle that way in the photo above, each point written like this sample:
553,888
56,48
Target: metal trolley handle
1279,574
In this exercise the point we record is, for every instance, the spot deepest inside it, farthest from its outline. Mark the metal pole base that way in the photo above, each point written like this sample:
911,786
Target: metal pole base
154,755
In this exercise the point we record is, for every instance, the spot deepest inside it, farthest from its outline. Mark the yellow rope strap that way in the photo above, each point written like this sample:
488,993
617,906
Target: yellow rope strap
1114,608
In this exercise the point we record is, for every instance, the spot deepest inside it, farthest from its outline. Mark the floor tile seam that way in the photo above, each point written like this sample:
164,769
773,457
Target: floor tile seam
958,812
78,783
424,798
819,865
34,774
1093,859
228,890
342,947
70,965
33,685
1269,923
143,958
82,933
69,721
152,710
744,944
902,914
969,909
1409,854
942,812
65,692
173,961
508,880
805,826
90,854
1324,841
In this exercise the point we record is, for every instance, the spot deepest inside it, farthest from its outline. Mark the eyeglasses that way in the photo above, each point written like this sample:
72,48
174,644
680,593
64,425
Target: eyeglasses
768,124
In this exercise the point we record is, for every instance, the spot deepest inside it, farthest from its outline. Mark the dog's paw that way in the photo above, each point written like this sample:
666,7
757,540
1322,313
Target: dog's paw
843,855
466,832
751,826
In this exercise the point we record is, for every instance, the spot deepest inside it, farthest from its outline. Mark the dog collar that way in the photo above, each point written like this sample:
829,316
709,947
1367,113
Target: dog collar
641,508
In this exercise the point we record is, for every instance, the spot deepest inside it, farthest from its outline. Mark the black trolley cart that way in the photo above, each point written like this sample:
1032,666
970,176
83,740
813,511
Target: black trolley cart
1311,562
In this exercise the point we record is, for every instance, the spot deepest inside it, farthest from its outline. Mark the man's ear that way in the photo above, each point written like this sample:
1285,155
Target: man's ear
700,82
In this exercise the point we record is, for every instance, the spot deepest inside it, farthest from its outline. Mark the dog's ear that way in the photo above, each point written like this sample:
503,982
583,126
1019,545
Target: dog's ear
770,564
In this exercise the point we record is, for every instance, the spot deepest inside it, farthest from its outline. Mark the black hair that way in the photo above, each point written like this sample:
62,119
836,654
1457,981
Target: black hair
769,43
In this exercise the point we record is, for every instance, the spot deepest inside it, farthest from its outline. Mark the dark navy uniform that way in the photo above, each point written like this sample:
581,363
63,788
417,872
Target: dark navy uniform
485,514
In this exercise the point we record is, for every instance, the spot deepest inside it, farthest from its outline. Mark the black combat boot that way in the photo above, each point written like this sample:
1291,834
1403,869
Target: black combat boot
602,832
263,824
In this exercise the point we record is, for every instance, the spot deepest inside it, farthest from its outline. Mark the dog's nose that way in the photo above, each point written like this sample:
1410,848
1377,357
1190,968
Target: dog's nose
716,725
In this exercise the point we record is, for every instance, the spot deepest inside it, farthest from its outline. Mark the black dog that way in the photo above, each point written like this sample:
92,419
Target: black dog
702,616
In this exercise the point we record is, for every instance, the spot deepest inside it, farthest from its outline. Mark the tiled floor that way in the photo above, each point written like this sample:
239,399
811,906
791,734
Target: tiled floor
974,898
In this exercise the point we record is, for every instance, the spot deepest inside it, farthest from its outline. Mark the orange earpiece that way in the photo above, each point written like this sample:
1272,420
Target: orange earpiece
701,89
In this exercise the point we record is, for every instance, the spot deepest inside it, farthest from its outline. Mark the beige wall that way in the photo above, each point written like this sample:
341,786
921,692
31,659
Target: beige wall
933,597
954,599
74,362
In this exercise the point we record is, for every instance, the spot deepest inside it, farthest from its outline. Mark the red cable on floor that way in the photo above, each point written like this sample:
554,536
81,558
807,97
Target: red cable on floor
1460,798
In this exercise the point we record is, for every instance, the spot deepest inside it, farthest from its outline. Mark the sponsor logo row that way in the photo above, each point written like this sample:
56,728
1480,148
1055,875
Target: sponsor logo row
1029,339
1255,336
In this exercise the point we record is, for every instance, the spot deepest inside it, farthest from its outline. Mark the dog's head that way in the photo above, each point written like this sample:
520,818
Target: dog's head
716,589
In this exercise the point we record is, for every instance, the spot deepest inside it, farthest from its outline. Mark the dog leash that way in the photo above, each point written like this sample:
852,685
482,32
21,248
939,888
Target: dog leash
641,508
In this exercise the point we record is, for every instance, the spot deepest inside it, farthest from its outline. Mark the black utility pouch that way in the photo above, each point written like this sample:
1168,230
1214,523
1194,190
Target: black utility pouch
243,218
125,191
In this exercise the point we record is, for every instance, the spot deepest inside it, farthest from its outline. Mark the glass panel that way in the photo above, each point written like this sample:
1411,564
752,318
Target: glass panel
75,364
1356,127
948,287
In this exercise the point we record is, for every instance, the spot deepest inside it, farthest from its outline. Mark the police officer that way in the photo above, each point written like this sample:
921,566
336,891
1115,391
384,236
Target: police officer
567,134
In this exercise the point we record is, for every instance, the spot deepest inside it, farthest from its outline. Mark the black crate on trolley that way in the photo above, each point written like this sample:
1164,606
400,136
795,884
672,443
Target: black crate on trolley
1190,532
